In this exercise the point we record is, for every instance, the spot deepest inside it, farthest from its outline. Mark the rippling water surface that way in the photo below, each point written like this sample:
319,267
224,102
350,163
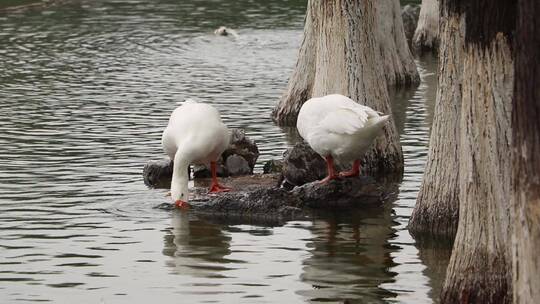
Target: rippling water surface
85,91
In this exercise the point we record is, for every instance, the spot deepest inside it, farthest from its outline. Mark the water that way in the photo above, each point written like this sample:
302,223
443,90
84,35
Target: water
85,92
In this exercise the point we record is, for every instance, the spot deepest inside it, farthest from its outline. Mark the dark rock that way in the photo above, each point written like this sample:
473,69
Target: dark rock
302,165
243,146
237,165
259,198
261,202
409,14
254,198
273,166
158,173
203,171
245,183
342,193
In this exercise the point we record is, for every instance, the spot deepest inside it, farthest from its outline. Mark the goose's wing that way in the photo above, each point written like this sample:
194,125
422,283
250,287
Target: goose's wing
344,120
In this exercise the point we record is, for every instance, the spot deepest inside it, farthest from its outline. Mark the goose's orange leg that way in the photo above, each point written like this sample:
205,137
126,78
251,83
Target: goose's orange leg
355,171
331,170
215,186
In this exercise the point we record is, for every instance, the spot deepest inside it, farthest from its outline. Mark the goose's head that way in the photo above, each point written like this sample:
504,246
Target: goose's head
180,199
181,204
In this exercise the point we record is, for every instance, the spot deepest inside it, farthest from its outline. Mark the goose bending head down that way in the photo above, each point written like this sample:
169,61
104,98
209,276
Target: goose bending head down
195,135
337,127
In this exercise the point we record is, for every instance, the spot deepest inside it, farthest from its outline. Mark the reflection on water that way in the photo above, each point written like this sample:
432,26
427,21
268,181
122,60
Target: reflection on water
85,91
194,245
413,116
350,257
333,258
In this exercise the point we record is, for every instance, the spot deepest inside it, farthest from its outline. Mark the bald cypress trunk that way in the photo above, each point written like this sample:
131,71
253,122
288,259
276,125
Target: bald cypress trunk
426,36
340,54
437,207
396,57
526,155
479,269
495,258
300,85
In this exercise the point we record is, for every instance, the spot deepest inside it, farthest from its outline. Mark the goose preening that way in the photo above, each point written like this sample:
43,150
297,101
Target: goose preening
337,127
194,135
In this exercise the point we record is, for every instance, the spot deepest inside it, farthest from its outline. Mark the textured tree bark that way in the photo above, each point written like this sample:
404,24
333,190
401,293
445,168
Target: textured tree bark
392,52
437,207
426,36
494,259
398,63
479,268
340,54
526,155
301,82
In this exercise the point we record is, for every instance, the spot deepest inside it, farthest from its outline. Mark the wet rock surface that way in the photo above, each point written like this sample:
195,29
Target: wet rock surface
302,165
243,146
273,166
237,165
258,197
158,173
261,202
347,193
291,191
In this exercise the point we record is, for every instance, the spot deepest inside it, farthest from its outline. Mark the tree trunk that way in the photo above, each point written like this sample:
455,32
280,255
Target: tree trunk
526,155
426,36
340,54
300,85
437,207
398,63
393,52
479,269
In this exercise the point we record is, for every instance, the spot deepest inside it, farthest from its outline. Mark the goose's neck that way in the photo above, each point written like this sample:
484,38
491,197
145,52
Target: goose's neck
180,178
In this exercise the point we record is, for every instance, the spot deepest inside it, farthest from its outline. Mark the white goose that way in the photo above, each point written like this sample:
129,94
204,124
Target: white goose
335,126
194,135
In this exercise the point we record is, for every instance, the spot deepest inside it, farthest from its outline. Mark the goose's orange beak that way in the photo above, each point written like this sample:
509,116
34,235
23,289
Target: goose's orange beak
181,204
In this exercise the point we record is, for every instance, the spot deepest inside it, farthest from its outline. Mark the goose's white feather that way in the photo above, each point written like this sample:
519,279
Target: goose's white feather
338,126
195,135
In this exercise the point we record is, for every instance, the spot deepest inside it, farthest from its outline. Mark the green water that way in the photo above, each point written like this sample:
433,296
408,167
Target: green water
7,3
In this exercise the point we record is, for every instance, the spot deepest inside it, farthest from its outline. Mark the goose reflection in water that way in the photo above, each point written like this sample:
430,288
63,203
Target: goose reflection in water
197,248
350,257
346,257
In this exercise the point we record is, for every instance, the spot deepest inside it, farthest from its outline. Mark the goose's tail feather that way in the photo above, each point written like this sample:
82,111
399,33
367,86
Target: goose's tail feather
378,120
